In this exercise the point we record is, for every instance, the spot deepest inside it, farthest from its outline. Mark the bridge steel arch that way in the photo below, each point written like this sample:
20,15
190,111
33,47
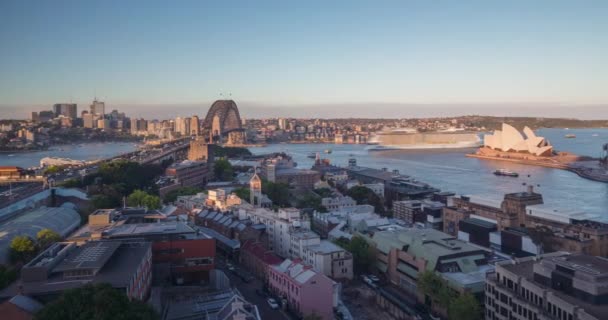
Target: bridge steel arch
228,115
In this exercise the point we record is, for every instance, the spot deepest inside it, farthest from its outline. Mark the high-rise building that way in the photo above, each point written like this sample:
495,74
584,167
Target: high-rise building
138,125
66,109
282,123
89,120
98,107
552,286
195,125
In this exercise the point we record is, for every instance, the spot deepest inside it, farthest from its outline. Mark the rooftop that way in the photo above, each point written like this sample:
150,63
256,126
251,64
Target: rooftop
325,247
525,268
62,220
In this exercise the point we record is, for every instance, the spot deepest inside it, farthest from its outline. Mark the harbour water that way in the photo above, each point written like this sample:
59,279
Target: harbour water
86,151
450,170
446,169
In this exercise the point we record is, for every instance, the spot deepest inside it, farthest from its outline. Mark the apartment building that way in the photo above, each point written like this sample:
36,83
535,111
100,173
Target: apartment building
305,291
558,285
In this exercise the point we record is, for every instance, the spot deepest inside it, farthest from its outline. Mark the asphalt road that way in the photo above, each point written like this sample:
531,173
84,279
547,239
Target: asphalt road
248,292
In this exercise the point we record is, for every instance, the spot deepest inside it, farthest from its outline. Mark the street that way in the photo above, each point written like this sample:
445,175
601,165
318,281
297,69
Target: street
248,290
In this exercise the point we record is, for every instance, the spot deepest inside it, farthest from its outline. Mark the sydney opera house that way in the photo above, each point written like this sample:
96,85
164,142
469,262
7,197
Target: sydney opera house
510,139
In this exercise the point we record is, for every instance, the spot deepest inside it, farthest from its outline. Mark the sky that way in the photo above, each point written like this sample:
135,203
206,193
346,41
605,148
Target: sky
327,57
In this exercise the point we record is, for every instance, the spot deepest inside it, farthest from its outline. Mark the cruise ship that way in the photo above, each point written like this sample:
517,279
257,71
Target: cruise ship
408,138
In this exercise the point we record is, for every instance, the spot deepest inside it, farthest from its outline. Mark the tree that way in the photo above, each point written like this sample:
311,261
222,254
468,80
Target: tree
277,192
172,195
364,255
46,237
435,287
52,170
96,302
22,249
7,276
222,170
464,307
142,199
365,195
311,201
243,193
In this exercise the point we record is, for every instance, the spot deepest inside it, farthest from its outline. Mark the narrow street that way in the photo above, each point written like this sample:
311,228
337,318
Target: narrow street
248,290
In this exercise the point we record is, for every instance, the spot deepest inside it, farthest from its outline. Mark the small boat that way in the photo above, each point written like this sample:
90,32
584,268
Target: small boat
312,155
506,173
570,136
328,151
11,155
595,135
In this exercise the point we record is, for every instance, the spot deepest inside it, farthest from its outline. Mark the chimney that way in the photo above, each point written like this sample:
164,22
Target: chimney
530,189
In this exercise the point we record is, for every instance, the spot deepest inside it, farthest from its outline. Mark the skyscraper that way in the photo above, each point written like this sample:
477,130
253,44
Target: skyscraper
98,107
65,109
195,124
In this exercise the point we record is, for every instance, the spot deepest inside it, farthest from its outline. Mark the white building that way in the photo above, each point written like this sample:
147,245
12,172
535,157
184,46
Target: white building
278,225
330,259
301,239
338,203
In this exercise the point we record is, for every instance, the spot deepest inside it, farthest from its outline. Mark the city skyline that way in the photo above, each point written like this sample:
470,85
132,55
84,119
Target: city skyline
548,53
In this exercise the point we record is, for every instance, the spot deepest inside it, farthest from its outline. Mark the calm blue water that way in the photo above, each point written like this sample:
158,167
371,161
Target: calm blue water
450,170
87,151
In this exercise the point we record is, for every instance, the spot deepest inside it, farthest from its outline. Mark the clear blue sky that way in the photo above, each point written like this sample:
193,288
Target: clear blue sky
308,52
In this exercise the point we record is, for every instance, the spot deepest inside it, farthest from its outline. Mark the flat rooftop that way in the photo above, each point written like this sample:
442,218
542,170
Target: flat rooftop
148,229
325,247
91,255
525,269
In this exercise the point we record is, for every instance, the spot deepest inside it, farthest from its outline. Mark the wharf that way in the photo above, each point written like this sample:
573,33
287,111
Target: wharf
587,169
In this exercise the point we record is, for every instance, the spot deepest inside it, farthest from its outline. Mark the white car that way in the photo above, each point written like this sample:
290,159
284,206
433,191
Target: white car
373,278
273,303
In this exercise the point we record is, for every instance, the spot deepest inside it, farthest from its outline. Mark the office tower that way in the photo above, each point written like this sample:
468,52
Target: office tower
282,123
98,107
195,124
65,109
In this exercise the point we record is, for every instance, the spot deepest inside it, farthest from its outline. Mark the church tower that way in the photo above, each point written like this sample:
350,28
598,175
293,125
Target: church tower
255,190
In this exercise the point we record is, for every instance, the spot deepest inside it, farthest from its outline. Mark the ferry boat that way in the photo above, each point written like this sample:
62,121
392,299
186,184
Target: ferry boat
409,138
506,173
570,136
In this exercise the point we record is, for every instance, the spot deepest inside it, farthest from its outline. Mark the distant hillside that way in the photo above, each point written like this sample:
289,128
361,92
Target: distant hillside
492,123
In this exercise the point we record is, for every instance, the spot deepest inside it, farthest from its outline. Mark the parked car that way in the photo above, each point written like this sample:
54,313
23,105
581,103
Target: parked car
373,278
273,303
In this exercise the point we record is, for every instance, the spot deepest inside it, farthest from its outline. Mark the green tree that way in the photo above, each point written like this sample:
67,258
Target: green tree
277,192
172,195
364,255
7,276
22,249
142,199
222,170
364,195
436,288
46,237
243,193
464,307
52,170
95,302
100,201
311,201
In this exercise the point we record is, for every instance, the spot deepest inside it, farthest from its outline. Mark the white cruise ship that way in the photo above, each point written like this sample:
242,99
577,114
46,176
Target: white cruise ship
408,138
